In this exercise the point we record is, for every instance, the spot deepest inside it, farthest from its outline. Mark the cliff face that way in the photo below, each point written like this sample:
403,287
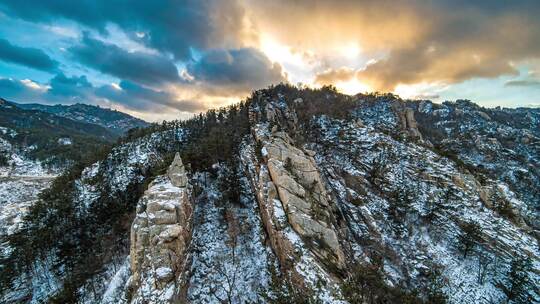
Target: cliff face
301,191
381,201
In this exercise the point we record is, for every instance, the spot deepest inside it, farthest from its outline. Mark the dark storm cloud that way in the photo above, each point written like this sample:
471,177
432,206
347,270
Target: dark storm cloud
169,26
139,98
246,68
135,66
30,57
15,90
65,89
61,85
60,89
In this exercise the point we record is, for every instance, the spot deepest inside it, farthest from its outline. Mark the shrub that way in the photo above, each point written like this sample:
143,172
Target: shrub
3,160
469,237
283,291
366,284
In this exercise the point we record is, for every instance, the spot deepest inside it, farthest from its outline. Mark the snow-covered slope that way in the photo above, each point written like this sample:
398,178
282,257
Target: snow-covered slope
306,196
92,195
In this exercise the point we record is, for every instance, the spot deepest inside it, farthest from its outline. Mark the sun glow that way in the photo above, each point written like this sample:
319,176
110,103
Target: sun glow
297,65
352,87
277,52
350,50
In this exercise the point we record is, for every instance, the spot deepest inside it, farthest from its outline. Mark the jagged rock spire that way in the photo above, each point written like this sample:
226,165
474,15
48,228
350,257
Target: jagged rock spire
177,172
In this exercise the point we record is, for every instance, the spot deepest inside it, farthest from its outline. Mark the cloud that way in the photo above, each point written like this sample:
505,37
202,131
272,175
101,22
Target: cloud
332,76
12,89
523,83
169,26
136,66
238,69
70,87
30,57
126,94
140,98
60,89
226,48
413,41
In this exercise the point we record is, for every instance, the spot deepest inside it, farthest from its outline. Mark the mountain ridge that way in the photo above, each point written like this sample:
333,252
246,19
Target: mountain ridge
298,196
115,120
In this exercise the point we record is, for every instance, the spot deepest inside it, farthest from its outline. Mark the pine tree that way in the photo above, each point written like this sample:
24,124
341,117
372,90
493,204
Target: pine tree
517,282
469,237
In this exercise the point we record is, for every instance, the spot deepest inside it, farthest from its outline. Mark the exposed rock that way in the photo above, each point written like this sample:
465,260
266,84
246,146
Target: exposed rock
177,173
407,122
270,112
160,235
484,115
271,210
280,114
303,195
411,123
359,123
527,138
345,192
424,203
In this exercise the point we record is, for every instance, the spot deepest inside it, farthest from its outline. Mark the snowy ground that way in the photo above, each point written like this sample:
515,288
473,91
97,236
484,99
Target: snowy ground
112,282
20,184
424,243
222,268
16,195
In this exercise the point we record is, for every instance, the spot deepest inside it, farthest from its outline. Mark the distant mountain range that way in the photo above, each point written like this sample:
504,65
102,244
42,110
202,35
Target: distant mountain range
116,121
59,133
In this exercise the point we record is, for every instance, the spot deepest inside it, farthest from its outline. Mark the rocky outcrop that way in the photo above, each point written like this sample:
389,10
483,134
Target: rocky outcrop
304,197
407,122
296,209
296,183
279,114
272,217
160,236
298,239
177,172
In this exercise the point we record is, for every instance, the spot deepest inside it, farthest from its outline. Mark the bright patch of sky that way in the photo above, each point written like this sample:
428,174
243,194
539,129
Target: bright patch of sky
356,46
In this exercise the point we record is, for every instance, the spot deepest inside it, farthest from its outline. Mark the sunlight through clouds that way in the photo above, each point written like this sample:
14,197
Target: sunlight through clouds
416,49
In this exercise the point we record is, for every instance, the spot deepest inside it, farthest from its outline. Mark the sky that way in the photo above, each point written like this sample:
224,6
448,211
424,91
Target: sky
166,59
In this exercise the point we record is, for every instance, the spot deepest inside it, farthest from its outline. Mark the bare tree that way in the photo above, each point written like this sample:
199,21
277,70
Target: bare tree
229,273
